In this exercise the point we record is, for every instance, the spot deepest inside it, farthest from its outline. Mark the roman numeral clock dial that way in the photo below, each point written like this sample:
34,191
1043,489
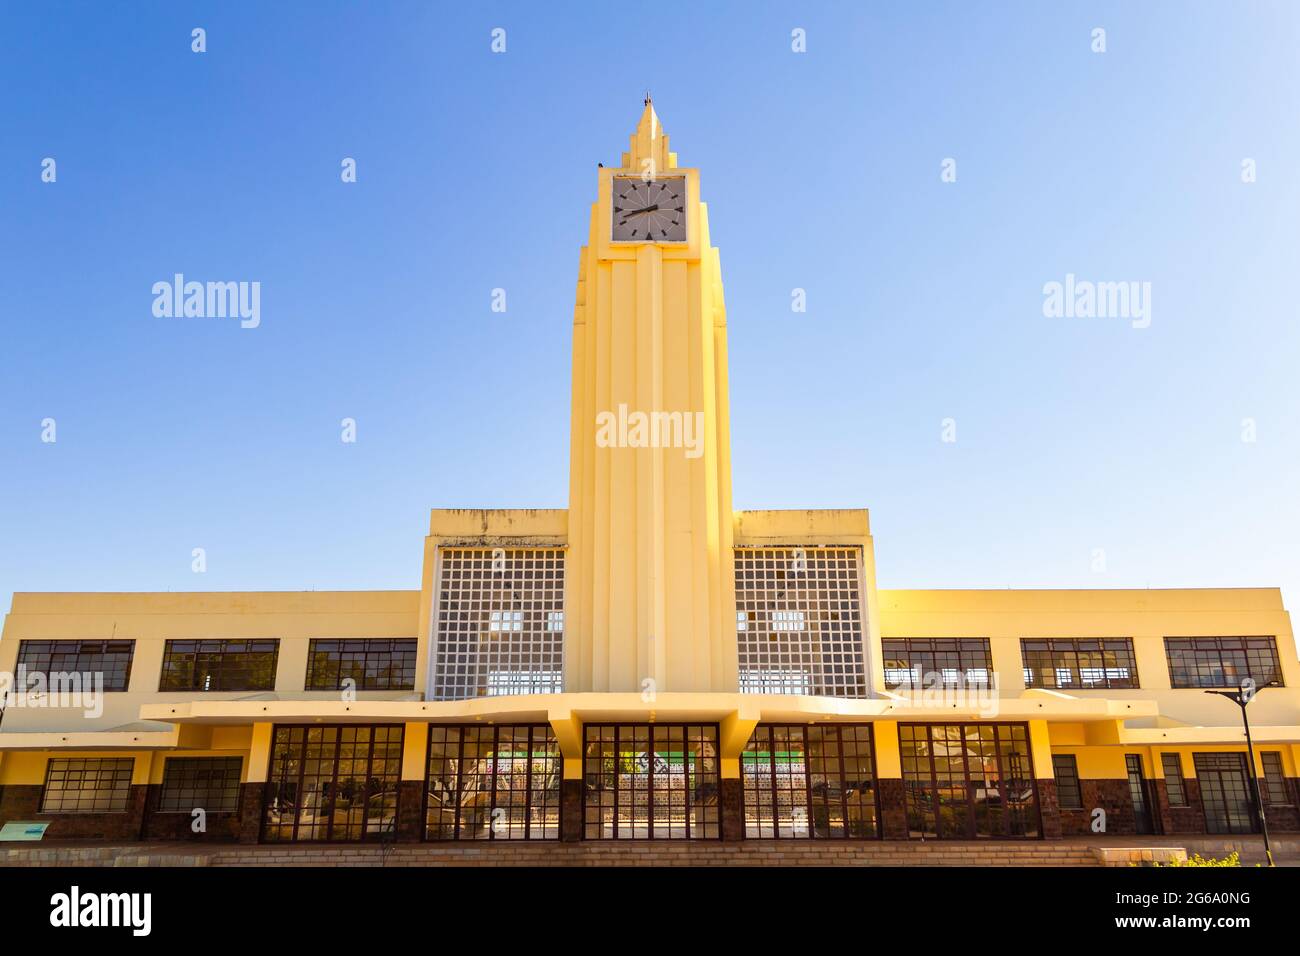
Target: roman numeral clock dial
652,211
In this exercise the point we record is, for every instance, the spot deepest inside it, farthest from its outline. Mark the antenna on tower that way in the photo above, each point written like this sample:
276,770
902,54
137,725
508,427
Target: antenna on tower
646,101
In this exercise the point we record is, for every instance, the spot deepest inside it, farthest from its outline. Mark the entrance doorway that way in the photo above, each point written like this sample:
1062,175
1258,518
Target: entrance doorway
332,783
1141,794
1225,793
968,781
650,782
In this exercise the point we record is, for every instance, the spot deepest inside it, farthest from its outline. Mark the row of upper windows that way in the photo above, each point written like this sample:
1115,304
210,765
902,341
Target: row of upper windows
228,665
389,664
1082,663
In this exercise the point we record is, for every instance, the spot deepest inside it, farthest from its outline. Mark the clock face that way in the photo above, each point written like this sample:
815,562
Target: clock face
652,211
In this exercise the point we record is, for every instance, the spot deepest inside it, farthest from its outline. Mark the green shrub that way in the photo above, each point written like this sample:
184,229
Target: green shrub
1232,859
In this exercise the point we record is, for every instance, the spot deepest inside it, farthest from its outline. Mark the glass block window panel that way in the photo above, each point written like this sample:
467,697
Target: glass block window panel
804,782
799,620
1275,789
500,623
87,785
919,662
1079,663
968,781
332,783
1065,767
650,781
372,663
1222,661
219,665
208,783
1172,766
493,783
86,659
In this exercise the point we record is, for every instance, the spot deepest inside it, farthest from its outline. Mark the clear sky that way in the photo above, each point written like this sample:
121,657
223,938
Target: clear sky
822,171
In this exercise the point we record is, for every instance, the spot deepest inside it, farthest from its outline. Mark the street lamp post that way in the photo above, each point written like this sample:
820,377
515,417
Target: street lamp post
1241,698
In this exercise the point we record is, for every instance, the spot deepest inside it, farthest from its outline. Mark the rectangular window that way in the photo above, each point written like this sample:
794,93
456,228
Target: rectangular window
219,665
799,620
1065,767
931,661
112,659
775,682
333,782
1222,661
1079,663
1275,789
500,622
209,783
651,781
1173,768
371,663
87,785
811,782
493,783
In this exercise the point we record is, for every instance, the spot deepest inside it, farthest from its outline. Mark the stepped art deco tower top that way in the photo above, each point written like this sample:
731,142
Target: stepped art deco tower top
648,663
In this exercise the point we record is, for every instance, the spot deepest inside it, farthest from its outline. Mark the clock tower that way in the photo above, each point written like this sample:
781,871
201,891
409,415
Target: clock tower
650,594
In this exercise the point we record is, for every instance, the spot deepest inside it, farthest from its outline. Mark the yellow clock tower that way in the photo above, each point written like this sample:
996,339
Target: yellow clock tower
649,588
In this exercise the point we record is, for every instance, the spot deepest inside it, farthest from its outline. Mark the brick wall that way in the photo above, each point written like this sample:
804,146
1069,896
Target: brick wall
1182,819
22,802
1110,795
220,827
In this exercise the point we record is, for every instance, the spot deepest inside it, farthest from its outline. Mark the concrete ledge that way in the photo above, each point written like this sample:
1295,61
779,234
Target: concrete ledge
1138,856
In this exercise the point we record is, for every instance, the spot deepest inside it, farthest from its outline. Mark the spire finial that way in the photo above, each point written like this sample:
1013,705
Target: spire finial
649,144
647,101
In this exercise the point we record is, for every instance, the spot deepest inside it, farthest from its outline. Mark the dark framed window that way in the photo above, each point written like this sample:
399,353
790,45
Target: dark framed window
1222,661
493,783
968,781
1079,663
217,665
112,659
333,783
371,663
1172,765
650,781
87,785
930,661
208,783
1065,767
1275,789
813,782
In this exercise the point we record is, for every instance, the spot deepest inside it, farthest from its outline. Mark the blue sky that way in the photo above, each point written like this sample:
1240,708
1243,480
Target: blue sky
822,172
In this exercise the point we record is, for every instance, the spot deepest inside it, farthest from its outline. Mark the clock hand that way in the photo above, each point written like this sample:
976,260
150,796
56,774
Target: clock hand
627,216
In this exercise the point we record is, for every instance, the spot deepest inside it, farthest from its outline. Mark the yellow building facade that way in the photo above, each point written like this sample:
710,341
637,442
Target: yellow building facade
649,663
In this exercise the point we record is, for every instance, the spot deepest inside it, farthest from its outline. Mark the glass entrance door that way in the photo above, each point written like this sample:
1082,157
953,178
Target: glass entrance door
814,782
650,781
1225,793
333,783
1137,787
968,781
